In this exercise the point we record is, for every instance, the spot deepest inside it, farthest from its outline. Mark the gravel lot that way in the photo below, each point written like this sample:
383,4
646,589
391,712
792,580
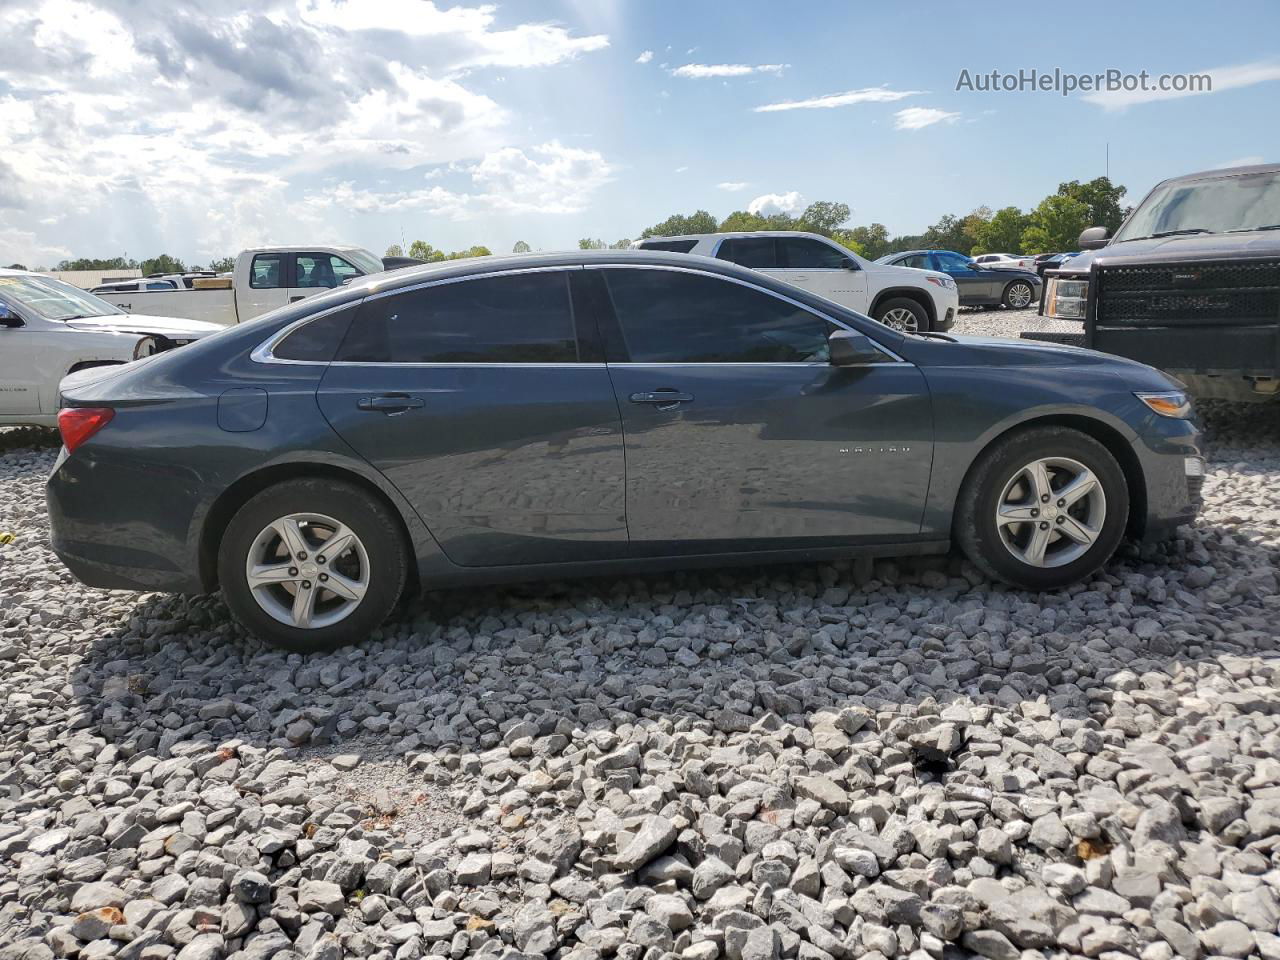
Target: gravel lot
792,762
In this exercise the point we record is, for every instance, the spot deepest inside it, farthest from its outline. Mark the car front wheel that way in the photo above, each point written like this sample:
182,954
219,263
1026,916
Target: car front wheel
903,315
1043,508
1018,295
311,565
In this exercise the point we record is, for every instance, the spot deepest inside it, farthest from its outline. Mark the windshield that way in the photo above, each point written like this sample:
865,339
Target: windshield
366,261
52,299
1208,206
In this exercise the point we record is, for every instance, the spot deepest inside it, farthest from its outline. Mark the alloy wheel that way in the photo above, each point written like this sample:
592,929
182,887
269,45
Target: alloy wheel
1051,511
1019,296
900,318
307,570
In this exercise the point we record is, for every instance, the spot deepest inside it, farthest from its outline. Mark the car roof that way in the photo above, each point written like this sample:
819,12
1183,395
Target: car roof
1225,172
739,233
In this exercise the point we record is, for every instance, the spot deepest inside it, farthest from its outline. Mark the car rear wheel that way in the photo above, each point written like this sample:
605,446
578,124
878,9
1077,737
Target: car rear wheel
1018,295
903,315
311,565
1043,508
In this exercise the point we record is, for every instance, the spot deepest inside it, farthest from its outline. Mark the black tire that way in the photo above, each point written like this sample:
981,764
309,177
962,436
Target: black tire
903,303
978,534
378,530
1007,299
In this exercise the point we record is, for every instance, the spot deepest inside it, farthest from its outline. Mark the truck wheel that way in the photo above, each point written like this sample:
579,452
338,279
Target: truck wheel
903,315
1018,295
1042,508
311,565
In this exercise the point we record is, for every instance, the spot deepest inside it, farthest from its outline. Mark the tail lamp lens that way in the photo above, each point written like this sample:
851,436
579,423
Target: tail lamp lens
78,424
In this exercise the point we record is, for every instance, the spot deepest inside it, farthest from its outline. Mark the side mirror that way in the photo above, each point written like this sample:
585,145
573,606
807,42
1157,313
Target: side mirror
850,349
8,318
1095,238
848,264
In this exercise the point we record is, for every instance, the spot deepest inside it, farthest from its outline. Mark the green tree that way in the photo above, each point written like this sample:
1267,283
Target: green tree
520,247
586,243
948,234
1102,197
1055,224
678,225
1001,233
421,250
227,264
162,264
94,263
845,239
741,220
15,266
395,250
872,241
623,244
476,251
823,216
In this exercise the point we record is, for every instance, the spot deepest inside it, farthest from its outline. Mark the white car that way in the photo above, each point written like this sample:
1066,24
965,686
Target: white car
49,329
1005,261
915,301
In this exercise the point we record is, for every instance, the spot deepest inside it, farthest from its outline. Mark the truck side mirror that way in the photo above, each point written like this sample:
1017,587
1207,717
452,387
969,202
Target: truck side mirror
1094,238
8,318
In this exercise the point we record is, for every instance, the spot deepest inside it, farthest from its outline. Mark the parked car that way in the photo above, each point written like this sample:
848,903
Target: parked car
1052,261
49,328
1190,283
548,415
263,278
901,299
980,286
1005,261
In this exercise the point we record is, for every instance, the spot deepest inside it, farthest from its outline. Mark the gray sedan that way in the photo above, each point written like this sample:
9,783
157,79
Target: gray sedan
980,284
506,418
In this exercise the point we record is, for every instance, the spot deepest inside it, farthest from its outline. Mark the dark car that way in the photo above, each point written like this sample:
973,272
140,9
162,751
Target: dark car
1052,261
537,416
980,286
1190,283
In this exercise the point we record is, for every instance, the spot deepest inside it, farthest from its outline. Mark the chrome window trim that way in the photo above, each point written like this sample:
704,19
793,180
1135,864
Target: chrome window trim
753,286
464,365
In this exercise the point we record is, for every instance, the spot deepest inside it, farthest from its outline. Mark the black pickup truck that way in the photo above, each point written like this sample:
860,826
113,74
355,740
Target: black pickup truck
1189,284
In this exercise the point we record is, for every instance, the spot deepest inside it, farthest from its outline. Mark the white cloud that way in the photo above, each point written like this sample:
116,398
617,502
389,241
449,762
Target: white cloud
1222,78
701,70
848,98
733,186
681,169
770,203
645,56
546,179
917,118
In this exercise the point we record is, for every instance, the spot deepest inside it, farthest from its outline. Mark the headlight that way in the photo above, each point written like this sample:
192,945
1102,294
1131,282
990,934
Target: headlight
145,348
945,282
1065,299
1171,403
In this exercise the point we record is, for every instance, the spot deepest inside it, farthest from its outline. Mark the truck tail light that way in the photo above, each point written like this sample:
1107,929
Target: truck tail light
78,424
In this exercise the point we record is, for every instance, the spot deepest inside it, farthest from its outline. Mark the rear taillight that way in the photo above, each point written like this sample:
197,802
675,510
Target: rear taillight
78,424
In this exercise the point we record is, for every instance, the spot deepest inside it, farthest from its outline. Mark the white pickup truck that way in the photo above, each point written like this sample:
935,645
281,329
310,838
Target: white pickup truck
264,278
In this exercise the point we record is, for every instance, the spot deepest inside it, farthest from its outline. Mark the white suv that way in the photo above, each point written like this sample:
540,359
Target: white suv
904,298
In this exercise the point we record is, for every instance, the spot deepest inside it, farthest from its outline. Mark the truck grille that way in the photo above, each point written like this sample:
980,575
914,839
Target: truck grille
1230,293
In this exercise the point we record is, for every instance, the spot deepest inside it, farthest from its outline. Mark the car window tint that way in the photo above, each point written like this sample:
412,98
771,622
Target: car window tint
952,261
918,260
266,272
806,254
667,316
323,270
520,318
758,253
317,340
670,246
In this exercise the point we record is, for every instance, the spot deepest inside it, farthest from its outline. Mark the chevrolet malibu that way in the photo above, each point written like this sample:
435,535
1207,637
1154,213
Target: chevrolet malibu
548,415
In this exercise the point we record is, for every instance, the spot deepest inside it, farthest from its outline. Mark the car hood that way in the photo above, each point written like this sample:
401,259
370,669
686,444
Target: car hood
145,325
1211,246
960,350
907,274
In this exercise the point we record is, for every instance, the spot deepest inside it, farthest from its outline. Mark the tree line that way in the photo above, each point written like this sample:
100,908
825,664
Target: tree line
1052,226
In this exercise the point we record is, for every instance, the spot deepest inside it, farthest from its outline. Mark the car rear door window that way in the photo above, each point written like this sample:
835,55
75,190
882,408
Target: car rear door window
267,271
758,253
518,318
669,316
802,253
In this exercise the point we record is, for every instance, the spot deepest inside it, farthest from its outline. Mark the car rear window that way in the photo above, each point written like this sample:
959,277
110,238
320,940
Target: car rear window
758,253
670,246
518,318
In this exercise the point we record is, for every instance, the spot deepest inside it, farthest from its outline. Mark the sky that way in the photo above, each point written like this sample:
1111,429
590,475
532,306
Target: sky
136,127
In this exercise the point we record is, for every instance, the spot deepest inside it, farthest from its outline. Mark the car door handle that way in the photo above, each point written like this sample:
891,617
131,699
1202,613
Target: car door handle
300,296
390,404
663,399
